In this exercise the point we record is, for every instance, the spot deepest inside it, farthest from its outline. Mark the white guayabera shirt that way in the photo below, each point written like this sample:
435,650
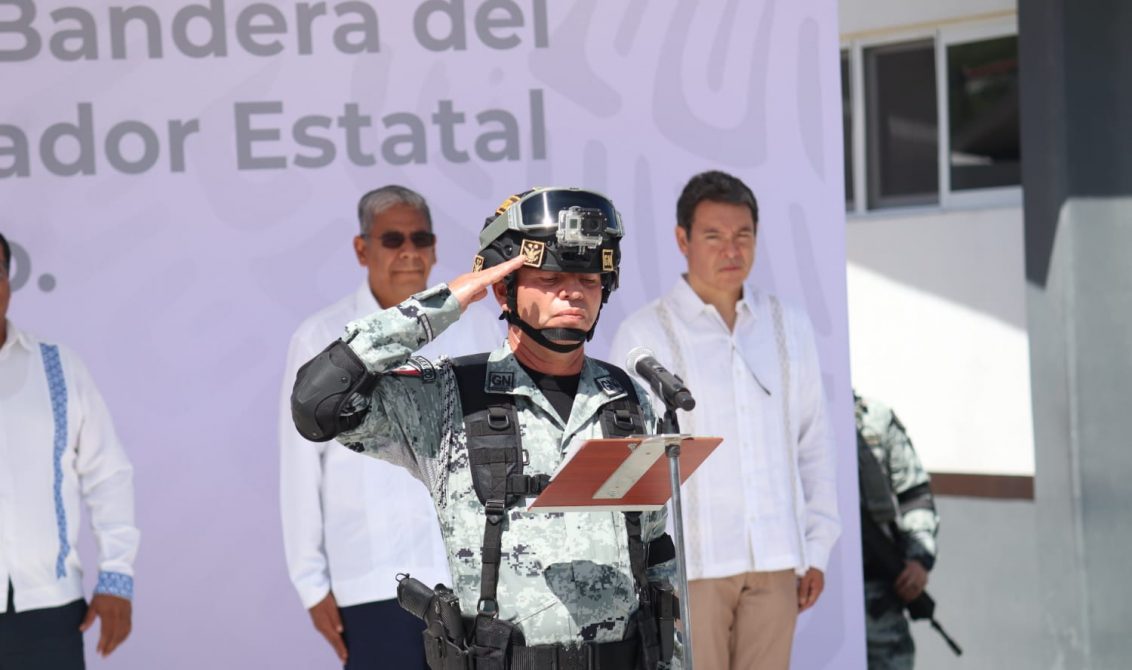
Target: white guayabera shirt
351,523
766,499
58,449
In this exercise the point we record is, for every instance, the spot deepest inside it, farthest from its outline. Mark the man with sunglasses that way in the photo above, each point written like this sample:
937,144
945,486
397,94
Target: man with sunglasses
343,547
529,589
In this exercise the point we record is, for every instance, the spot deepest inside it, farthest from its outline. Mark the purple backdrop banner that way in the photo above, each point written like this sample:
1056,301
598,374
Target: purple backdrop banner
180,181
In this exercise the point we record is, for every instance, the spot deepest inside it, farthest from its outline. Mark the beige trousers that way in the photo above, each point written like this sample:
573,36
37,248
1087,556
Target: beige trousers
744,622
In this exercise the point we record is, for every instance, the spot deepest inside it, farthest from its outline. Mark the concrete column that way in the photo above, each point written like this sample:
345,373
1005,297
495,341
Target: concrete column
1076,70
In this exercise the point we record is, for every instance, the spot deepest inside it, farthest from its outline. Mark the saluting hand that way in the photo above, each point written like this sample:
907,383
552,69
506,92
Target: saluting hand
473,286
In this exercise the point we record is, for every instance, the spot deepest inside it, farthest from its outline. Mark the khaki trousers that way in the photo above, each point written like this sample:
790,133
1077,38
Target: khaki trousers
744,622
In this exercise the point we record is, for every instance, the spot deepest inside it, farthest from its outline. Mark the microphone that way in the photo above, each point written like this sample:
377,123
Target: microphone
665,384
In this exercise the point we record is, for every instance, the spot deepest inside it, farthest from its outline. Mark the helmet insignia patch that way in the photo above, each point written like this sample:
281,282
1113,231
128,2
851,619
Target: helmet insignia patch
607,260
477,264
533,252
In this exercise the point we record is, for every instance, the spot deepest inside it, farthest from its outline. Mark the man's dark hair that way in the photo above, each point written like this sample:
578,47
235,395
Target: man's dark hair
7,253
714,186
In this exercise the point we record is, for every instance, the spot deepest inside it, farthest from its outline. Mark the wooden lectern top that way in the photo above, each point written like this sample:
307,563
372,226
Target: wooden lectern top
622,475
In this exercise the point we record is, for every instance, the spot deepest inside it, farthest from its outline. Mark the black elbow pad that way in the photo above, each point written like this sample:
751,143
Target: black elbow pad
322,402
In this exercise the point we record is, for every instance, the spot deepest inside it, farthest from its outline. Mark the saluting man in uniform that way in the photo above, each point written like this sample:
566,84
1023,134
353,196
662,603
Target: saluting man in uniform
538,590
342,550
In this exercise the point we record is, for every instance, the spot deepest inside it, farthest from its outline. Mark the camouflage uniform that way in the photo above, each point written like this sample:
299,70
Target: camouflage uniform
902,499
564,578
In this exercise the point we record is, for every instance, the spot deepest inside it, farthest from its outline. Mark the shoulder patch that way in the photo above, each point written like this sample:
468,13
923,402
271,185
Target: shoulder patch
500,382
609,386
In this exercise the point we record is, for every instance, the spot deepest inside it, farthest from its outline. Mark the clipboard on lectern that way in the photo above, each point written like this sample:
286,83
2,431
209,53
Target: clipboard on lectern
621,475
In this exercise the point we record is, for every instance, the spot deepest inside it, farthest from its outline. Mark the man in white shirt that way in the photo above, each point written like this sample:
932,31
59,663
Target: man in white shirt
58,450
761,513
351,523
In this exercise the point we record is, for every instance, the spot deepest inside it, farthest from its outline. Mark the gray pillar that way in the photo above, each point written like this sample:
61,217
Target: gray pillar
1076,69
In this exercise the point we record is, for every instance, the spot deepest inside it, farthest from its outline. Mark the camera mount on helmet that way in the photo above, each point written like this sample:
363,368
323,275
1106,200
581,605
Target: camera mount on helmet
558,230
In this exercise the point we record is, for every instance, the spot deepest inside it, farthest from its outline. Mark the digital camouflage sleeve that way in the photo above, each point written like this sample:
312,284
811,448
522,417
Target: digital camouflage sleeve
888,440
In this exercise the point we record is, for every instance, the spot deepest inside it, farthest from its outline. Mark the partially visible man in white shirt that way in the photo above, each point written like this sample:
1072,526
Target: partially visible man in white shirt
761,513
351,523
58,450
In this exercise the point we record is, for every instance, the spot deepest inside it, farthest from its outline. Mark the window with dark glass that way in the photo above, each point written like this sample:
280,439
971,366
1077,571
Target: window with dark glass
847,127
901,125
982,84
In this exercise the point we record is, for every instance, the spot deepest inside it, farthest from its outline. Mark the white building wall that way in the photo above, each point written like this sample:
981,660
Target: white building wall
937,329
937,313
937,324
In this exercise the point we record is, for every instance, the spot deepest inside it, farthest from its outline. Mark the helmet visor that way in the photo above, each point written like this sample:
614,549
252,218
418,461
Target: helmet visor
577,218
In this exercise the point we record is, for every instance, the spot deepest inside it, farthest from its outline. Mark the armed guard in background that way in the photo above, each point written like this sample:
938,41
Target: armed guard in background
898,536
581,590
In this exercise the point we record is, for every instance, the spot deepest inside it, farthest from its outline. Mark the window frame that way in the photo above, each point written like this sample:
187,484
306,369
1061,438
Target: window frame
905,201
942,37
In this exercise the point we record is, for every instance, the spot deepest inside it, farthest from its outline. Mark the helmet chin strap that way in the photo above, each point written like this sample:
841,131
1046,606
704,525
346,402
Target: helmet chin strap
544,336
575,337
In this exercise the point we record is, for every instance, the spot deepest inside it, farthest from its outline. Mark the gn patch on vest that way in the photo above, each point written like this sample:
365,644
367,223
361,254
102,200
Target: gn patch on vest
609,386
500,382
477,264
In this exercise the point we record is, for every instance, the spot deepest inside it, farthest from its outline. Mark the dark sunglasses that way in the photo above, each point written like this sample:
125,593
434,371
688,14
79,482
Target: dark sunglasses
421,239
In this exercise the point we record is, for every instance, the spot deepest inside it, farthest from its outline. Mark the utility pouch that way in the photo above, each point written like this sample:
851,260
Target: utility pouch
665,612
643,623
492,642
442,653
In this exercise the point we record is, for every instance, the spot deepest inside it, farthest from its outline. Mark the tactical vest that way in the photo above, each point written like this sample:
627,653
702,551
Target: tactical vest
496,458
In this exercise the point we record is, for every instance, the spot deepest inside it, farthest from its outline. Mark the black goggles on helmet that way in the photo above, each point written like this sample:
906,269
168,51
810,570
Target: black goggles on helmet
574,217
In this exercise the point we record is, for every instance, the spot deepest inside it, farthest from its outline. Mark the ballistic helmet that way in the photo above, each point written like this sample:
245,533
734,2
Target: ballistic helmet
558,230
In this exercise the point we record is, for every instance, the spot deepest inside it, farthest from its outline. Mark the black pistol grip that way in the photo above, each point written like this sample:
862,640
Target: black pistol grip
414,597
